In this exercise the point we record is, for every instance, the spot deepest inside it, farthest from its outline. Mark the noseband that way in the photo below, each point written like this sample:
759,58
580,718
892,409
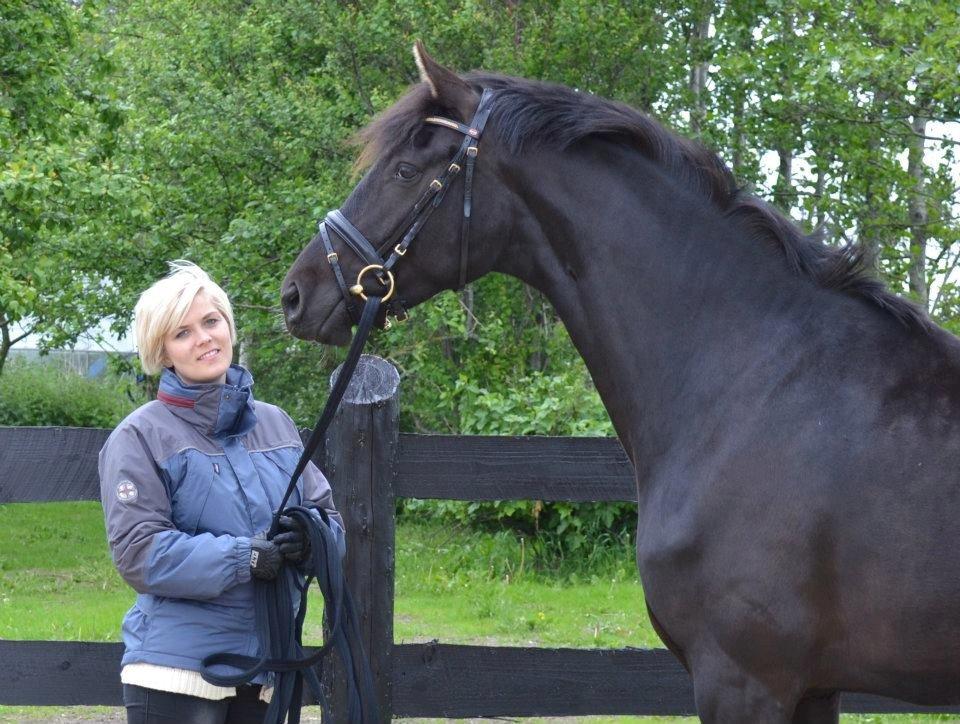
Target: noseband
406,231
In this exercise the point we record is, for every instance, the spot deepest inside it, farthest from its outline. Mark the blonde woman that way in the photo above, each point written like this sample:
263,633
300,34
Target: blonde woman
189,483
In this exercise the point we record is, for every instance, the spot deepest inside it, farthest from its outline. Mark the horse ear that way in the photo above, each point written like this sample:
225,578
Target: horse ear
446,87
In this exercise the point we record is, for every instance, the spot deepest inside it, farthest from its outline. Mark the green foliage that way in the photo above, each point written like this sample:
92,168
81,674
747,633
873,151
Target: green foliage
236,121
66,208
41,394
563,538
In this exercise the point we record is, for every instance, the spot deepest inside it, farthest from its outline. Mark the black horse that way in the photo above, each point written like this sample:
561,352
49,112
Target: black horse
794,426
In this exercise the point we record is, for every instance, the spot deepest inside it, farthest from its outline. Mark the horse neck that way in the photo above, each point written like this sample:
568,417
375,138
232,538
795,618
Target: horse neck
654,286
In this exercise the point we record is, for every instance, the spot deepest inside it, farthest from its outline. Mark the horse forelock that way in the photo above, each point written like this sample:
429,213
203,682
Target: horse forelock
529,114
393,127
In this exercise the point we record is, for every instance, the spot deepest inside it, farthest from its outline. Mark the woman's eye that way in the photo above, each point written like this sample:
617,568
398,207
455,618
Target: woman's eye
181,334
406,172
211,321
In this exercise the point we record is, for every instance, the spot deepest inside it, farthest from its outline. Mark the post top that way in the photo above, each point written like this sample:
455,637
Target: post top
375,380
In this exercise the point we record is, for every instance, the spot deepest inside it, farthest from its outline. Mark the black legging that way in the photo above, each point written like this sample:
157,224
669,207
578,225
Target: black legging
150,706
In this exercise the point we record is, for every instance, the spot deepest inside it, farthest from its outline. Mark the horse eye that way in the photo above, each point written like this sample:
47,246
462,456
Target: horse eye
406,172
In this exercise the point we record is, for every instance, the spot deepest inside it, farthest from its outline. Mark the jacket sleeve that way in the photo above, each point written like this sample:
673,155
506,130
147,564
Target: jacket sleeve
148,550
317,493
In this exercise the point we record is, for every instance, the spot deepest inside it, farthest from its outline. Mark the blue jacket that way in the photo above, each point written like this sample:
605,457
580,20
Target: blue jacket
186,481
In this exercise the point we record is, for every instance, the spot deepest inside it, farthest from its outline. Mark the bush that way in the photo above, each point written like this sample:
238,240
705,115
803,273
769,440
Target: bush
563,403
40,394
555,531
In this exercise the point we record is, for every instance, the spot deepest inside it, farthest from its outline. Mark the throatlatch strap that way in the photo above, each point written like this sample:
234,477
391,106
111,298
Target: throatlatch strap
465,224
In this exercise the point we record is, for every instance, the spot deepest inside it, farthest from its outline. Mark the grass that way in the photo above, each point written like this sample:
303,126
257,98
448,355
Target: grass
57,583
462,587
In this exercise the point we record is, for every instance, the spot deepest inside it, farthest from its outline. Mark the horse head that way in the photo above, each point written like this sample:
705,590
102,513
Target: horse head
426,161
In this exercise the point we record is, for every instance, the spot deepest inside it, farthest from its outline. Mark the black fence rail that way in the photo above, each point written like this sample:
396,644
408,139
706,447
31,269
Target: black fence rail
370,464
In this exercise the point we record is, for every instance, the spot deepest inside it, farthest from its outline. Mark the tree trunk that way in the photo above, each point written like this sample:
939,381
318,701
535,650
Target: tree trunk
917,273
737,138
783,191
513,11
5,344
699,65
818,216
470,323
871,234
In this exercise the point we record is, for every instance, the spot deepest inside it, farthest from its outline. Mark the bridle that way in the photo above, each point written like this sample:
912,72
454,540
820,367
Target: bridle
398,241
382,268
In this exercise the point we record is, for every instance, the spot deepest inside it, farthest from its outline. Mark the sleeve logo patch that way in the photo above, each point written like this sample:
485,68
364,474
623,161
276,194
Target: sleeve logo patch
127,492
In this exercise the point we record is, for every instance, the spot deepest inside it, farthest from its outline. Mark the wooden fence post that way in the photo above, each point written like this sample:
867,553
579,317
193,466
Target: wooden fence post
361,462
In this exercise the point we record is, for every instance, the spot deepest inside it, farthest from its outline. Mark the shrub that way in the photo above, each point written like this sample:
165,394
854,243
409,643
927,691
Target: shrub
563,403
33,393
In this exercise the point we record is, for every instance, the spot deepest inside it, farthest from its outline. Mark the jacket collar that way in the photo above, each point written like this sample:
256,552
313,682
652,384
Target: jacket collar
219,410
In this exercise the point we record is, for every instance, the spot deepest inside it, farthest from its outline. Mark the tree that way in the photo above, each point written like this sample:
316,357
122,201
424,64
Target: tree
59,187
233,121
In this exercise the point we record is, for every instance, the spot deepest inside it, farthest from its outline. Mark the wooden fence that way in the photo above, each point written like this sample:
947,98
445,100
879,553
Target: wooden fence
370,464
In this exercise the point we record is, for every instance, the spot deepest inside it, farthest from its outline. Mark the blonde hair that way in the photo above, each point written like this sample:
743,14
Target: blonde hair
163,306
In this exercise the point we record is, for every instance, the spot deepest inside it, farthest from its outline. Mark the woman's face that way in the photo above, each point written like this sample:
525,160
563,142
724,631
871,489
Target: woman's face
199,347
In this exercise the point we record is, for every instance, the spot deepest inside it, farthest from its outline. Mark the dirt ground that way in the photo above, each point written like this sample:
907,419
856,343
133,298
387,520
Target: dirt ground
77,716
119,716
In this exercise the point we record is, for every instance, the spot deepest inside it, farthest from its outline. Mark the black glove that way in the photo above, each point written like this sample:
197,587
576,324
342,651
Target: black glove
265,559
292,540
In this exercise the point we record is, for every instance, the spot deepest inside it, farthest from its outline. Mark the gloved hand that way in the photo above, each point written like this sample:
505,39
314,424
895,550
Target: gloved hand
292,540
265,559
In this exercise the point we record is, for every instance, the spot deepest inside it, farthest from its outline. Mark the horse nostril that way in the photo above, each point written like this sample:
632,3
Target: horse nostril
290,300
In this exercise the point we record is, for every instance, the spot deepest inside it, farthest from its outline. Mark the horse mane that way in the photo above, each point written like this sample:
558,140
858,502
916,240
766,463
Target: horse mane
530,114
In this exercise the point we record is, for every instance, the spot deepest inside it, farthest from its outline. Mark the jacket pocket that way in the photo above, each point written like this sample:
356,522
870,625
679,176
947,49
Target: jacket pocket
281,463
191,495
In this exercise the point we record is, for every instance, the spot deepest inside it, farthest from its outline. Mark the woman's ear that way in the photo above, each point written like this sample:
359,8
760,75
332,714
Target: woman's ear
446,87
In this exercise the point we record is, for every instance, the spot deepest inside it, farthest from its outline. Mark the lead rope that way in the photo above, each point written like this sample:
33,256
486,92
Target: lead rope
279,633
